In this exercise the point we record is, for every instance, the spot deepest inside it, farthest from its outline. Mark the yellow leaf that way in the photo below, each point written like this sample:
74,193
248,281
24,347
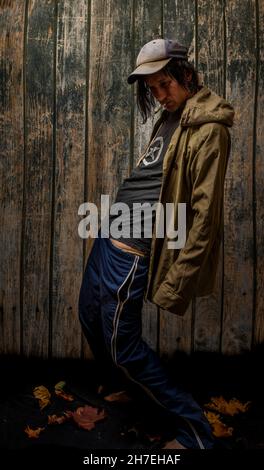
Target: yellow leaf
60,385
43,396
33,433
219,428
54,419
230,407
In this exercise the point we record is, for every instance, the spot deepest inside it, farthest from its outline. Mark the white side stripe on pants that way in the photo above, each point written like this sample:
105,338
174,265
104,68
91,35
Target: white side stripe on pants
117,315
120,306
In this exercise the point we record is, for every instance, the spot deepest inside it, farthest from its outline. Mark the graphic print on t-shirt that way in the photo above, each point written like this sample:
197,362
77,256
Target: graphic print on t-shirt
153,152
143,185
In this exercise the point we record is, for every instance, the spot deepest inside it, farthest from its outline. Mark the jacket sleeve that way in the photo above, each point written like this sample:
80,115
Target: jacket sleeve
207,173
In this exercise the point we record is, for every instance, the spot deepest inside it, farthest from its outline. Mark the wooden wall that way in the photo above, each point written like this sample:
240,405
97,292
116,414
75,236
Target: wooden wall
70,131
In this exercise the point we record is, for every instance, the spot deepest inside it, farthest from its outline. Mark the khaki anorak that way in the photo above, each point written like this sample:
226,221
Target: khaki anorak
194,170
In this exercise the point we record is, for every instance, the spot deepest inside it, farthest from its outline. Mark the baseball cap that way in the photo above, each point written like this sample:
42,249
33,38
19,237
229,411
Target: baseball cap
154,55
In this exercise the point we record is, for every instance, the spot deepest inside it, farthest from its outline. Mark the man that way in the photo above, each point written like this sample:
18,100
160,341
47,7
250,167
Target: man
185,162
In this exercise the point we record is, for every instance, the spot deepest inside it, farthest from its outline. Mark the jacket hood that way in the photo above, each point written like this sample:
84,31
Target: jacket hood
206,106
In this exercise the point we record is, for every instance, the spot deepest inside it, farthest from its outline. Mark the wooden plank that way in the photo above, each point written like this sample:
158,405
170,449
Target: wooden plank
179,23
87,244
11,175
259,187
109,101
211,44
148,16
109,98
211,65
38,177
238,260
208,316
69,180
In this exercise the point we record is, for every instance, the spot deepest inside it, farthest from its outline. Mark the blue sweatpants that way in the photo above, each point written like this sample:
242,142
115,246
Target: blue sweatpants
110,307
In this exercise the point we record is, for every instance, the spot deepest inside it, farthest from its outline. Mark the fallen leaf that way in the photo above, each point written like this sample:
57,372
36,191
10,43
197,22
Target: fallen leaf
33,433
43,396
65,396
230,407
54,419
60,385
120,397
87,416
134,430
100,389
219,428
153,438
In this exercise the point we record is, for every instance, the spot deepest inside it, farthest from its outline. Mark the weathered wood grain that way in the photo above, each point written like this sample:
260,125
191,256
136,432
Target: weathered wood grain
259,187
211,44
69,176
45,176
109,98
38,177
178,22
211,64
11,172
148,16
238,238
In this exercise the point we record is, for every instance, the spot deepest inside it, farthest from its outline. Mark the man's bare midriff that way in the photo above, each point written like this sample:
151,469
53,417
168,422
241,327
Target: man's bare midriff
127,248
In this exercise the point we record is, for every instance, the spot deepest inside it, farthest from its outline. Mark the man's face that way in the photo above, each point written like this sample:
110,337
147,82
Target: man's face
170,94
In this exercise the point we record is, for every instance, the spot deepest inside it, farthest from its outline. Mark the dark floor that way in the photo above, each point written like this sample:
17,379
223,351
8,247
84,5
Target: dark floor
132,425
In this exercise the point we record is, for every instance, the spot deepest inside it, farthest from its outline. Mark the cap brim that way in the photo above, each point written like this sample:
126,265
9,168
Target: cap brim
147,69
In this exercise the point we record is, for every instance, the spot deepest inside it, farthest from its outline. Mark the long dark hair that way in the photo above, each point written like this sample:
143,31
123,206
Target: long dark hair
181,70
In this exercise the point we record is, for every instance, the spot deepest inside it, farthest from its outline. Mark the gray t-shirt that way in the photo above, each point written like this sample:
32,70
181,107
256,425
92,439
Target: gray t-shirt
143,186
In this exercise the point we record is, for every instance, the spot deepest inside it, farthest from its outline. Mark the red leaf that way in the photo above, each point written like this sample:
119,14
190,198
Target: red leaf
153,438
120,397
65,396
87,416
